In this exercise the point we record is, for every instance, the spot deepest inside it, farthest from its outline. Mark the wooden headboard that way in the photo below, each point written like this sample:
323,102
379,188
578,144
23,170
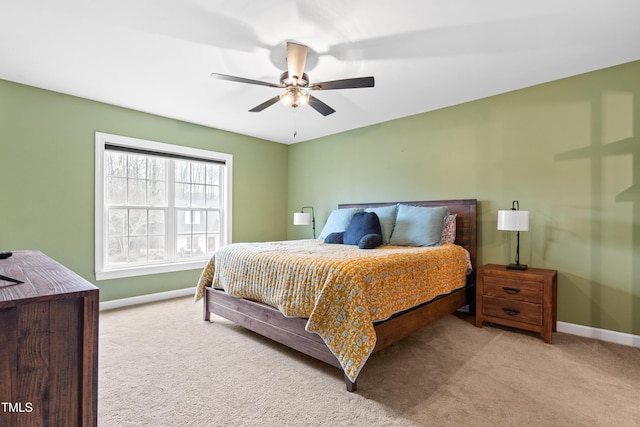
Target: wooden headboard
466,220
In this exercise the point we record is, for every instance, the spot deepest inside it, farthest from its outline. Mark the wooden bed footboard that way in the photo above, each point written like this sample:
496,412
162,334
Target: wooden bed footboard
271,323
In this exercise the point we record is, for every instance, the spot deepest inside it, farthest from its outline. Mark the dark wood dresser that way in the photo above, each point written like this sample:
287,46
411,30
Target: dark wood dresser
48,344
525,299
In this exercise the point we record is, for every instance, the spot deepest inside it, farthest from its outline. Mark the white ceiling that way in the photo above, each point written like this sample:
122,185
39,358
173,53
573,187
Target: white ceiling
156,56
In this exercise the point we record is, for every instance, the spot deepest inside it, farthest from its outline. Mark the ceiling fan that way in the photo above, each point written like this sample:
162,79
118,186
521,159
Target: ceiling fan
296,84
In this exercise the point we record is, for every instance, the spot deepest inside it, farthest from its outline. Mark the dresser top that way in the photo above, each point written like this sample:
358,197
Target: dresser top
43,278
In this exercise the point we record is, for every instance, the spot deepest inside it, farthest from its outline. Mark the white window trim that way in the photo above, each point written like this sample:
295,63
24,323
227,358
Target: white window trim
103,138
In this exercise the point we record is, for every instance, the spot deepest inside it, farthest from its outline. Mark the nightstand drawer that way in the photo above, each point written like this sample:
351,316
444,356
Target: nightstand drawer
516,311
520,290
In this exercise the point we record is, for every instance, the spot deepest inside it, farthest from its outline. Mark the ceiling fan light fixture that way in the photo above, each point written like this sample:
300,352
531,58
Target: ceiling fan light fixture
294,97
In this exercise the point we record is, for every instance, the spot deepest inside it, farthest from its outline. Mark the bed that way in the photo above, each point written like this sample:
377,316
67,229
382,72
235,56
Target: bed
338,318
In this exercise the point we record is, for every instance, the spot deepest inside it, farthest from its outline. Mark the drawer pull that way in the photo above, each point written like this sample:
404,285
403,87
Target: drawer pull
511,311
511,291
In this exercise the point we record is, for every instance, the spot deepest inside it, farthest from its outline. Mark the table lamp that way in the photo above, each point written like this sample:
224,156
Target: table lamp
514,220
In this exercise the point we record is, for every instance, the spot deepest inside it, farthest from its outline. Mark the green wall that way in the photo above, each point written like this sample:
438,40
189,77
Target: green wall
568,150
564,149
47,179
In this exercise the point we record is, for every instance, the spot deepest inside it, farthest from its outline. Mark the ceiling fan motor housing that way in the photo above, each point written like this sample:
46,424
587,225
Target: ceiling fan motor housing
286,81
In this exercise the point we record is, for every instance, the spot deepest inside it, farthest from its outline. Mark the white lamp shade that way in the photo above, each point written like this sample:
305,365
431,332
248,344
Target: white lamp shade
301,218
512,220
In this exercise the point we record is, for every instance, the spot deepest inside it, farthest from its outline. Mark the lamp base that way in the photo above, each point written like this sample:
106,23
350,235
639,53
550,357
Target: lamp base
517,267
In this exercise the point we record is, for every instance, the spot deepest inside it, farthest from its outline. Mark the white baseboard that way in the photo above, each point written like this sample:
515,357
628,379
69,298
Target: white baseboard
569,328
143,299
600,334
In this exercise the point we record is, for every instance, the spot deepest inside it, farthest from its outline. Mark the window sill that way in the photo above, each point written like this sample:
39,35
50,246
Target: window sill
150,269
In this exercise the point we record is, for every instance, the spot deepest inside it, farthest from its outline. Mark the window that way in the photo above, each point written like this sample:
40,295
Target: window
159,207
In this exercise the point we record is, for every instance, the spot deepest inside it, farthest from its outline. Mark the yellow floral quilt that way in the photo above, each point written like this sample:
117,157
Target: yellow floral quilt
341,289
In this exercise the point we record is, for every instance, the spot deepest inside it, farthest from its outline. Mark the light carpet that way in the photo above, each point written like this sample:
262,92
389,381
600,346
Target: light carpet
162,365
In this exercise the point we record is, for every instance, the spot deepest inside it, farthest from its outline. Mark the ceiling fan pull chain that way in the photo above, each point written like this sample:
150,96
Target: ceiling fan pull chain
295,123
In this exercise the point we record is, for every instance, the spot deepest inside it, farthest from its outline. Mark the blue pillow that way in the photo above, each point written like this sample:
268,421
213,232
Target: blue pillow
418,226
387,217
334,238
362,223
370,241
338,221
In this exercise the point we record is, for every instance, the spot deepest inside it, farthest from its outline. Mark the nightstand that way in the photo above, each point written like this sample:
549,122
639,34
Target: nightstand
524,299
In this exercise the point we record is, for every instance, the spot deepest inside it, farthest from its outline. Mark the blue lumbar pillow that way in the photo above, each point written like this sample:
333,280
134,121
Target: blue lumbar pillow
362,231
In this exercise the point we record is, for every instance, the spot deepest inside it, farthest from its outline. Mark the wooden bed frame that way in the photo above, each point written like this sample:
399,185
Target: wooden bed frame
269,322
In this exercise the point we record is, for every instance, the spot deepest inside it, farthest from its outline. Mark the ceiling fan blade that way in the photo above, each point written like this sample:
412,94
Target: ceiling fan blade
265,104
242,80
344,83
320,106
296,59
